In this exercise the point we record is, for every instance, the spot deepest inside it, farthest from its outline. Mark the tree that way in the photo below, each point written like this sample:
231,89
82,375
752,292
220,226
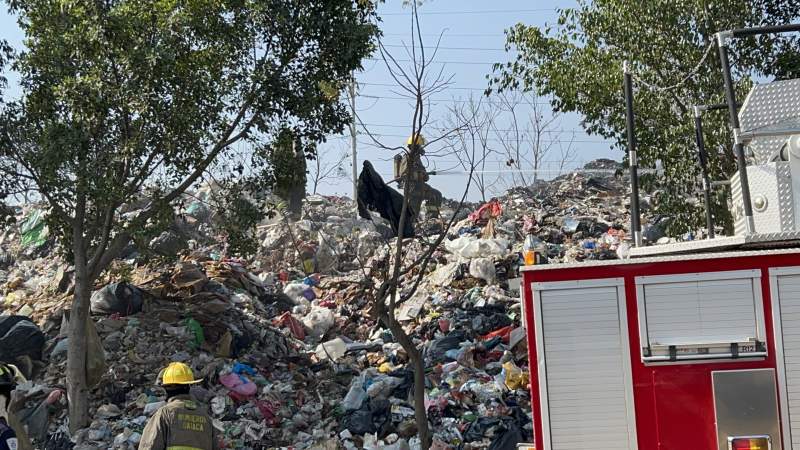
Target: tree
473,122
529,140
288,161
509,126
328,166
125,100
399,275
578,61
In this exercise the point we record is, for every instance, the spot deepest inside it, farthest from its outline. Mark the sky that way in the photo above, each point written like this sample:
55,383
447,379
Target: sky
472,40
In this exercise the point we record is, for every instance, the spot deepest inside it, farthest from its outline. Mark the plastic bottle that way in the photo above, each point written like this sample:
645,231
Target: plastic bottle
529,250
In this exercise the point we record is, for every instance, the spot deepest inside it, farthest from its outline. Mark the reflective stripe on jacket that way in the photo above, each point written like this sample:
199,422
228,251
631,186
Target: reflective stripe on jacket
181,424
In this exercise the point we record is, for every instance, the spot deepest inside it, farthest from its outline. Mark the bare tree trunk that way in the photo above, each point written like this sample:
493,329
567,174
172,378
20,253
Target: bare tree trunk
417,366
318,172
77,389
415,357
420,414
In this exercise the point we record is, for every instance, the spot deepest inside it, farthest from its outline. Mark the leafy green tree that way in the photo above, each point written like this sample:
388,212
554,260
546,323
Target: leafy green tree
288,161
129,101
577,62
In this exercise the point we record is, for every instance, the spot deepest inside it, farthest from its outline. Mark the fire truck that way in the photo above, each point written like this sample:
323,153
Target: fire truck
686,346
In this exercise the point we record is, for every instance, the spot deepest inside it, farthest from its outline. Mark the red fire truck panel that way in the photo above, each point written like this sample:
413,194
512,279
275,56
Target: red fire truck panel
615,376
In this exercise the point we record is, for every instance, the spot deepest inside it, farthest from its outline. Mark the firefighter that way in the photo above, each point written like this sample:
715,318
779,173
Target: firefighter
8,382
183,423
409,167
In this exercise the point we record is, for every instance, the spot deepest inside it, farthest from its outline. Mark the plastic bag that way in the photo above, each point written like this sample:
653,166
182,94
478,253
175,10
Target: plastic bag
356,395
239,384
482,269
34,231
197,333
295,326
445,274
95,357
19,336
490,210
382,387
120,298
515,378
326,253
319,321
295,291
241,368
508,440
471,247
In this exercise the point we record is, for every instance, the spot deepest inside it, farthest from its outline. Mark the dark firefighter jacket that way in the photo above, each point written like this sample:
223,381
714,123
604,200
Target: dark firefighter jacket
181,424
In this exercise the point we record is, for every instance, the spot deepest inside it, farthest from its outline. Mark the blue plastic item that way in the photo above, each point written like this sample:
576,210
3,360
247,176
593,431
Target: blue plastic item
240,368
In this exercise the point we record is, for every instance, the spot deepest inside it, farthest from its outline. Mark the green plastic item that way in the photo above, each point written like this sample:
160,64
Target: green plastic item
33,230
197,331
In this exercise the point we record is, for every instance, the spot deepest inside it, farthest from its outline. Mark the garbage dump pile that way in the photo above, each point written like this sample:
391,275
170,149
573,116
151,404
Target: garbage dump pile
289,353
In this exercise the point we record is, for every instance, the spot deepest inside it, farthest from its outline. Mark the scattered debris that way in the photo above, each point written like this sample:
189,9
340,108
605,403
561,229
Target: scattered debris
284,341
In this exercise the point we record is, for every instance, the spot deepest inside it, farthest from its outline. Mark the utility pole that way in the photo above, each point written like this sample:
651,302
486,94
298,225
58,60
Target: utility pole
636,226
353,136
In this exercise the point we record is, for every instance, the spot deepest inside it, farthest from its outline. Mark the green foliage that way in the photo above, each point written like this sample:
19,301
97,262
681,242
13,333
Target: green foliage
240,207
288,165
129,102
577,62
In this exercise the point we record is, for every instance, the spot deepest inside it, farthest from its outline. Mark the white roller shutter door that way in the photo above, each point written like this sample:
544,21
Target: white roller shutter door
587,368
700,311
701,315
788,296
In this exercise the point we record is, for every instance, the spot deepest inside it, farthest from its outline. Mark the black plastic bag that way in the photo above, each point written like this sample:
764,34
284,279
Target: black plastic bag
374,194
359,421
121,298
435,352
507,440
19,336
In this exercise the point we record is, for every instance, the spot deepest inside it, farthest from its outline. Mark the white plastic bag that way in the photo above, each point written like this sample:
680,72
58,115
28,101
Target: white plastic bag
318,321
482,269
472,247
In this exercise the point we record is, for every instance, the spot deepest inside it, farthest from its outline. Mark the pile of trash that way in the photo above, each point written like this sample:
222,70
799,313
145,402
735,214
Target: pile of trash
286,342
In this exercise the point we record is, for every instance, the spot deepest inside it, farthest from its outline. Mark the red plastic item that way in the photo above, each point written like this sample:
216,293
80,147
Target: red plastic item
504,333
487,211
444,325
267,410
288,320
327,304
237,398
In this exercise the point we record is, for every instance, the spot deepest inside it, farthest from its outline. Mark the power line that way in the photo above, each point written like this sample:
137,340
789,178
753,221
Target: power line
453,48
471,63
451,34
495,162
576,130
448,87
489,102
404,136
487,11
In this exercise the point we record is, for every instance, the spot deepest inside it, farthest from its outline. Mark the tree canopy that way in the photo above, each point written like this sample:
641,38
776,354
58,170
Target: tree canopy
577,63
129,101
